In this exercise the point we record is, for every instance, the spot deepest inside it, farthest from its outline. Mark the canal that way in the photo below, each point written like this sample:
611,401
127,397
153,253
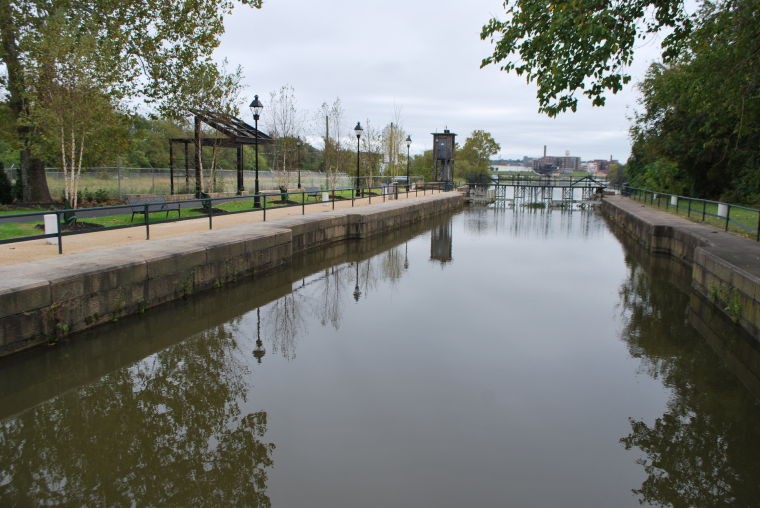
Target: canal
494,358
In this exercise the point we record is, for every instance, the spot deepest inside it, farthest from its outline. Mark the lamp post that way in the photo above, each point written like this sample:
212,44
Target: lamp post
298,147
408,145
357,291
358,130
256,106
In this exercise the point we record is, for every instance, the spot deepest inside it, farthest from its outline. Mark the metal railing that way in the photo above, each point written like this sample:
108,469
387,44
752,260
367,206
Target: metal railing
740,219
549,180
77,219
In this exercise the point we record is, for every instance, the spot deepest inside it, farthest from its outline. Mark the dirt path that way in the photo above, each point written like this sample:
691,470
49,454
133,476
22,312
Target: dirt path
23,252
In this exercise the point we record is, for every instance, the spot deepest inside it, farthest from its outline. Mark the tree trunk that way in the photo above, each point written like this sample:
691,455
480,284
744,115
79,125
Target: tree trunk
34,187
33,180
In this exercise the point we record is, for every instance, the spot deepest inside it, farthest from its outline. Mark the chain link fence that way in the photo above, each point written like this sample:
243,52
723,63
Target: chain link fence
118,183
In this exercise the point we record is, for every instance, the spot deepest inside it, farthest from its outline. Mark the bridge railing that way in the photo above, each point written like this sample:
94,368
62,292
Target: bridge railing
740,219
549,181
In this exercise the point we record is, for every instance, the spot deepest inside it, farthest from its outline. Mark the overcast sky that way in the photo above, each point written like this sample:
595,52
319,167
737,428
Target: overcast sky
421,57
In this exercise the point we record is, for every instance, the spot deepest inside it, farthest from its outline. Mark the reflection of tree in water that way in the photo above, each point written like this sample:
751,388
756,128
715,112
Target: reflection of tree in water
286,320
328,304
283,319
704,450
331,285
166,431
370,273
393,264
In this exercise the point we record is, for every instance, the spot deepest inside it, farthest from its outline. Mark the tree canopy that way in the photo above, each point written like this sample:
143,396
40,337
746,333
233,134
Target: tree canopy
572,46
148,50
473,158
699,131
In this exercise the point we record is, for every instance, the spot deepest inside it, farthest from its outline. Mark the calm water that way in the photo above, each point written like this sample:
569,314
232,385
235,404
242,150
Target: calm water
496,358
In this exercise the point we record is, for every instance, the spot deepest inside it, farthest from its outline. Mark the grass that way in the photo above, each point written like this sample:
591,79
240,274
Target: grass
18,230
13,211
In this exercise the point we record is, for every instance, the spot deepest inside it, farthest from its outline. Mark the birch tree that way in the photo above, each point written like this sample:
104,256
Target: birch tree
285,125
331,116
393,139
70,104
371,146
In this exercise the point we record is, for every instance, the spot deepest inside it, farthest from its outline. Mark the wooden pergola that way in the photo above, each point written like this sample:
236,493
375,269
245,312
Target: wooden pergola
235,134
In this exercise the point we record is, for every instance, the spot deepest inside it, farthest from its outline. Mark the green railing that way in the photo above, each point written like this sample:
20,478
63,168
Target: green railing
21,227
740,219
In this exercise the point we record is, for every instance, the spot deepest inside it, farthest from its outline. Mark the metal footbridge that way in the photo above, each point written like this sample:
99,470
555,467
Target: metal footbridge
541,191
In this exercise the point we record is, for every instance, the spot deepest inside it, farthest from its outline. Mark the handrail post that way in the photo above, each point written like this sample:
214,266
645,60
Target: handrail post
303,203
728,214
352,198
147,221
210,213
60,236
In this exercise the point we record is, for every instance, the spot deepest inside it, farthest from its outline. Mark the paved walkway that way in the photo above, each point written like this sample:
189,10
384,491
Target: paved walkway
23,252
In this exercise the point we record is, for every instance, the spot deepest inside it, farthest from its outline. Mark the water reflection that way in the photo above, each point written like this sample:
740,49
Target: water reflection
167,430
517,395
152,413
703,450
320,295
526,222
441,243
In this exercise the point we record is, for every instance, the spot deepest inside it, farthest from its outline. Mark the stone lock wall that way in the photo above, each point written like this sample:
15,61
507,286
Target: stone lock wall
43,301
725,268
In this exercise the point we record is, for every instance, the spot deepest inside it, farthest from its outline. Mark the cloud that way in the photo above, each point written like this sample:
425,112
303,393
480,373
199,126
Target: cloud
422,57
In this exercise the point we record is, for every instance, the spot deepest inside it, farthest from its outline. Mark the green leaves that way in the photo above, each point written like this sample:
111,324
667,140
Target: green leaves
473,158
576,46
701,111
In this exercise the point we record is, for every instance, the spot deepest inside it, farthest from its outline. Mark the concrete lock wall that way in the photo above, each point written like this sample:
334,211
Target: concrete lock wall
725,268
43,301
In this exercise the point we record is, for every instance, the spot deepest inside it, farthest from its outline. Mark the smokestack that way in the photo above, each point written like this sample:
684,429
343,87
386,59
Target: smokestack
544,151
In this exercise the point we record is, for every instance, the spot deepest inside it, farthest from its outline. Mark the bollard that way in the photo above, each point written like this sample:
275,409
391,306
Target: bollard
51,227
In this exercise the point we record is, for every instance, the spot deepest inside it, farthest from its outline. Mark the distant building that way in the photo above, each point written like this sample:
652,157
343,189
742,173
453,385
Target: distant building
600,167
551,163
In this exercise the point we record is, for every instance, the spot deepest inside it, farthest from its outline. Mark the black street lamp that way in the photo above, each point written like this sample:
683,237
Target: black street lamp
358,130
408,144
256,106
298,146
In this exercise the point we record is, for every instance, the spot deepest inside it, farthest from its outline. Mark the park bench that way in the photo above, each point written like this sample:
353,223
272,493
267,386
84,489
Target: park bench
151,203
312,192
